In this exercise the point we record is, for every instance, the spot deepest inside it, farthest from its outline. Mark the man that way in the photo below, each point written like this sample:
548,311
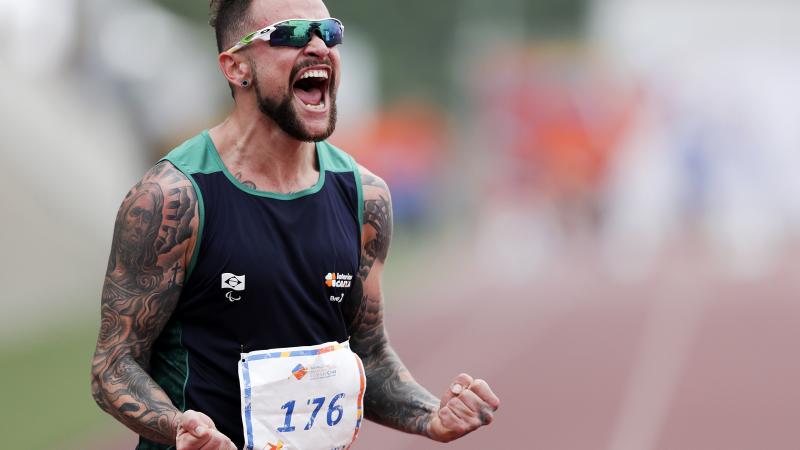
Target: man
245,272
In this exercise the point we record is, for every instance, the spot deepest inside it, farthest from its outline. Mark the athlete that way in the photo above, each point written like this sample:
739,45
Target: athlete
242,304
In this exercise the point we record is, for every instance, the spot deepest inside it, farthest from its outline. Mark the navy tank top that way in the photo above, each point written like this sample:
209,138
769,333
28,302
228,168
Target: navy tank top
268,270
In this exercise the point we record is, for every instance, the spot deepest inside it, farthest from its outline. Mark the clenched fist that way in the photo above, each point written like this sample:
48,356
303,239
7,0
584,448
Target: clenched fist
196,431
466,406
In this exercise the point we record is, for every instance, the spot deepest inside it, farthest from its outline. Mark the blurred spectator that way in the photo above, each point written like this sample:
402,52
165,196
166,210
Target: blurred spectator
553,117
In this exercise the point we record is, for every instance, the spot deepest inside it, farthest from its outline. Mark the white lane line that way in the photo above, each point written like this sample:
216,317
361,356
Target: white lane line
670,331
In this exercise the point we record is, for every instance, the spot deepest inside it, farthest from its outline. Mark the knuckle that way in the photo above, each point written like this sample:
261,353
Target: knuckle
474,398
479,383
457,405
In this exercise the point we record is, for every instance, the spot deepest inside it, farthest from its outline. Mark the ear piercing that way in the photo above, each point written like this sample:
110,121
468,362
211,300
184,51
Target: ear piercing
245,83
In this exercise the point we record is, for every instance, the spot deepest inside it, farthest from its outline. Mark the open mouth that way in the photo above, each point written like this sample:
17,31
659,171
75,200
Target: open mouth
311,86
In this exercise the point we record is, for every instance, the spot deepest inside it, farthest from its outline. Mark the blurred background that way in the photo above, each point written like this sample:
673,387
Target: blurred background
597,205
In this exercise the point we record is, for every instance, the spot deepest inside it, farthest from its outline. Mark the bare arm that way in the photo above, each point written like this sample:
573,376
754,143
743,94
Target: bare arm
153,238
393,398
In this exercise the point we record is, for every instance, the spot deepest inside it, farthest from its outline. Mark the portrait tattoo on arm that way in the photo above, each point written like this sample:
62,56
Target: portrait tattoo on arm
145,273
392,397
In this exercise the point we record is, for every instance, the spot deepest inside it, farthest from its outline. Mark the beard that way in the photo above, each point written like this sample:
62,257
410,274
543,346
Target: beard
282,111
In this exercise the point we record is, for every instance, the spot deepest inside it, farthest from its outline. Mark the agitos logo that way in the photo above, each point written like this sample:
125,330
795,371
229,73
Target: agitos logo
338,280
234,282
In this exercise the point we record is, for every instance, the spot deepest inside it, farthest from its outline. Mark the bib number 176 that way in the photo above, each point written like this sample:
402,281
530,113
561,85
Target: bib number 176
334,416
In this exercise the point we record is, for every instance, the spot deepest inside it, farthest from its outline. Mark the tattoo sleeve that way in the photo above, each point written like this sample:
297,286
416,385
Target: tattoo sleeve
392,398
152,240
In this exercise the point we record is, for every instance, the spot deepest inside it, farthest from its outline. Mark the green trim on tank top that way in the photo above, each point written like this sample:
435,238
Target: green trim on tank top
275,195
360,191
201,222
169,347
337,160
194,156
185,161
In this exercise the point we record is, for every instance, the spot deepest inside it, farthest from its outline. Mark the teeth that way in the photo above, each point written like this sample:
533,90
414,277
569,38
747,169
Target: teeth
315,74
320,107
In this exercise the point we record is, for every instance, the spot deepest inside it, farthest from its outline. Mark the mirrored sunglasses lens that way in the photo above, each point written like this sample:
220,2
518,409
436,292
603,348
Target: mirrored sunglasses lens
331,32
297,33
293,33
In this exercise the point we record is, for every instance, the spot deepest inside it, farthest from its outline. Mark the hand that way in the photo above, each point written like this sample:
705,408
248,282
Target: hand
466,406
196,431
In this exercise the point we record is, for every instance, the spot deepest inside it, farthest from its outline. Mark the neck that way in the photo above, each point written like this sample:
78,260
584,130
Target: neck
255,149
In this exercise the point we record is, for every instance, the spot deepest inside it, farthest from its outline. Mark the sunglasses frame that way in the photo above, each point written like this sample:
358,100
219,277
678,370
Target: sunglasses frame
263,34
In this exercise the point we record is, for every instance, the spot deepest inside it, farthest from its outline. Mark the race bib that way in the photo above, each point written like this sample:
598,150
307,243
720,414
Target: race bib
302,398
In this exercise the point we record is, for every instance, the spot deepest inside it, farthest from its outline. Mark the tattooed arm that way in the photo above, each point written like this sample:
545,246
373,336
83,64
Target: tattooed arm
393,398
154,237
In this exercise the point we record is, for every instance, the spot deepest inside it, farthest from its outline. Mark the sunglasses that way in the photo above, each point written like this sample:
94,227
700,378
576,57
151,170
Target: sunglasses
295,33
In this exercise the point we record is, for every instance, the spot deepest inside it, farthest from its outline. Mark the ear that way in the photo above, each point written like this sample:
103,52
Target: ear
235,68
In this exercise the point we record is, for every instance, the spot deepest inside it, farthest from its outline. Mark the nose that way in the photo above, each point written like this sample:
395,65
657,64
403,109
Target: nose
316,46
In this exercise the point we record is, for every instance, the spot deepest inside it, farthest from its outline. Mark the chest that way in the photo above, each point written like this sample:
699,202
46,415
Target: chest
274,242
289,264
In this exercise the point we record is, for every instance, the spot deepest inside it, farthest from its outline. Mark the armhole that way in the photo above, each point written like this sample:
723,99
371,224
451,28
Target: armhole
201,219
360,195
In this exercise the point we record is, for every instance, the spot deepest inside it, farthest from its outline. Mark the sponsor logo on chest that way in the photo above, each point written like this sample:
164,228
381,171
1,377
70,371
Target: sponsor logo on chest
338,280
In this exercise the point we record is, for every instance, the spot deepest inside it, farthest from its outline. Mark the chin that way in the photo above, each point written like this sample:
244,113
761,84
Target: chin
318,132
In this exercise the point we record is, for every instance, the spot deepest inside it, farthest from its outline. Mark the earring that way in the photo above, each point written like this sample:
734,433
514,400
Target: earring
245,83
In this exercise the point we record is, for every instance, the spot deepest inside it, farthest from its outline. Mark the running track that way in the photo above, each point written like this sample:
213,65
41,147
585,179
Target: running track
685,358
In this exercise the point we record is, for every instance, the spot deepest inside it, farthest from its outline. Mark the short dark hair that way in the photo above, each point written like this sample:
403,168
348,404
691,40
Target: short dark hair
230,21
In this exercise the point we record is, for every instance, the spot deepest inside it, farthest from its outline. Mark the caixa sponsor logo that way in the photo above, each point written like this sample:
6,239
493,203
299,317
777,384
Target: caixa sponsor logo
338,280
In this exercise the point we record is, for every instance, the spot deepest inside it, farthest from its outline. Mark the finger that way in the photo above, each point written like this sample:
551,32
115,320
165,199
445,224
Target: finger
190,421
451,421
461,382
218,441
468,416
187,441
477,407
482,389
196,423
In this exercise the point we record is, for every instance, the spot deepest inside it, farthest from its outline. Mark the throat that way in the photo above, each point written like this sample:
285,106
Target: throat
280,175
268,161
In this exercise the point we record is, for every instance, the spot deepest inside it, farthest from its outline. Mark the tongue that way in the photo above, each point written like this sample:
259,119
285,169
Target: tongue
312,96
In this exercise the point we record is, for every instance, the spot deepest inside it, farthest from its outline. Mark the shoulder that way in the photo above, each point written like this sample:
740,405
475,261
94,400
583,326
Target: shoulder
376,208
165,175
194,155
337,160
155,230
164,190
374,186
